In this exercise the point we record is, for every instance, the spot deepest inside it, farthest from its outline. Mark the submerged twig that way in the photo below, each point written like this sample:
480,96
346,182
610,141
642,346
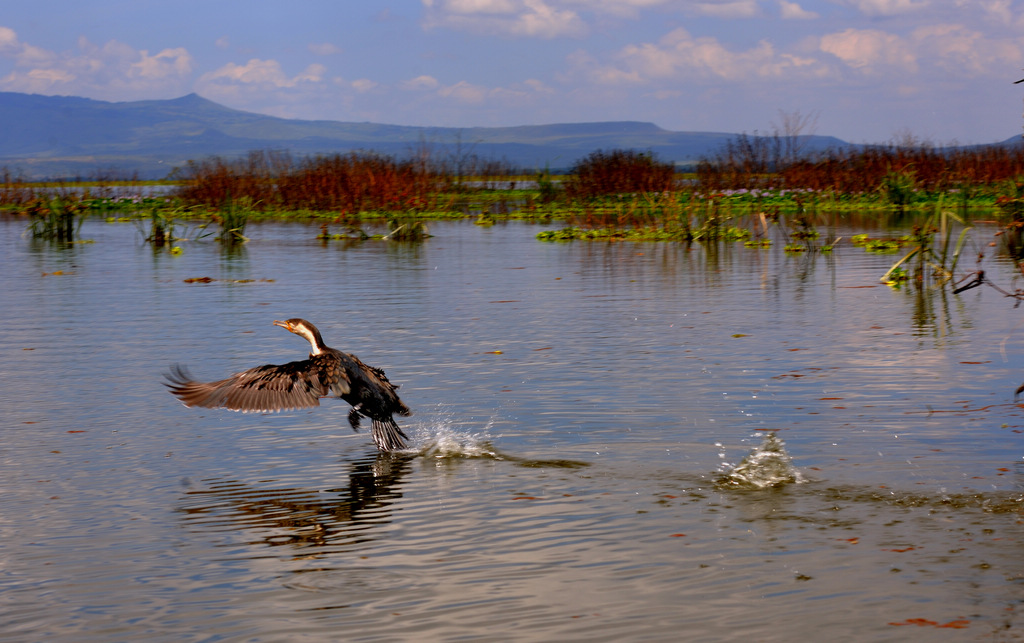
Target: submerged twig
979,278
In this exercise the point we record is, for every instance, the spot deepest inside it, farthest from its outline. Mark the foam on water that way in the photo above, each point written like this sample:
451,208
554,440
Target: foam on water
768,465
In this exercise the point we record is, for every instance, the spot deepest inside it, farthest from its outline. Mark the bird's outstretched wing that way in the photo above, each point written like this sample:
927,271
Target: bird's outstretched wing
295,385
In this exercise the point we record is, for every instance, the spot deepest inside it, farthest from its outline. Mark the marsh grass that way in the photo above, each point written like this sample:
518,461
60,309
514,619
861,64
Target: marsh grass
341,183
933,256
899,187
752,193
652,218
233,216
55,219
758,163
162,223
617,172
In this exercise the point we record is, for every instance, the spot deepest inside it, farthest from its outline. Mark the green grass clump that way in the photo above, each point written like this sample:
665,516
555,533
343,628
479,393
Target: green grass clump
669,233
611,234
884,246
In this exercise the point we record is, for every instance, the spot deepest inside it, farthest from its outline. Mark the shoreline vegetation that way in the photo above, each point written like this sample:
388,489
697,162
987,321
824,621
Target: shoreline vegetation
756,190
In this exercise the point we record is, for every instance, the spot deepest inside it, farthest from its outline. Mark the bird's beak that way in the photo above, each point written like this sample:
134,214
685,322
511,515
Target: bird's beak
283,324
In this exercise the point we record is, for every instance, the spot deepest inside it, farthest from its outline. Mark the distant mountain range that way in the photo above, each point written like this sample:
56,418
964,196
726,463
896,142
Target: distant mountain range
65,136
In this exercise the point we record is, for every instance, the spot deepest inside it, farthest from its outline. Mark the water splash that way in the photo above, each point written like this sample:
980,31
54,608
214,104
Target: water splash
444,439
768,465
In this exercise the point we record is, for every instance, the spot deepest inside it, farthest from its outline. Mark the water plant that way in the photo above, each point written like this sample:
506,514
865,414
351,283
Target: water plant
933,252
1011,204
161,227
899,187
398,230
56,219
352,233
406,231
1011,199
547,190
233,216
883,246
613,234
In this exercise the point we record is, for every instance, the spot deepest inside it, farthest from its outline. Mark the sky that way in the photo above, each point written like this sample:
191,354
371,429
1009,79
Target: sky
866,71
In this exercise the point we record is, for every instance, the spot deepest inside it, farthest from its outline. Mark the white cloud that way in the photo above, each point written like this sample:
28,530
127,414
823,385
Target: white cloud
263,85
793,11
8,41
474,6
963,51
570,18
420,83
888,7
324,49
633,8
473,95
679,56
37,81
465,92
113,71
960,52
538,86
618,8
869,49
1000,10
166,64
363,85
312,74
726,8
263,73
529,18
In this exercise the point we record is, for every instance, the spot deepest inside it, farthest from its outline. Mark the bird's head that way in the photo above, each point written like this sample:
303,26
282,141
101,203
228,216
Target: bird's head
303,328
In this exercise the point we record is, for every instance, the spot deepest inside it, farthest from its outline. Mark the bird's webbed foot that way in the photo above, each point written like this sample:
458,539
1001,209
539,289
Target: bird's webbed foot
353,419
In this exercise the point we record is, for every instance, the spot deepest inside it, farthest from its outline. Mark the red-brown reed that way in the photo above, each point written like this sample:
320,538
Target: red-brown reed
751,162
619,171
343,183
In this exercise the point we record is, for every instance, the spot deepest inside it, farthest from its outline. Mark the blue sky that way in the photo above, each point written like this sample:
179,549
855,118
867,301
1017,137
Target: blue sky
862,70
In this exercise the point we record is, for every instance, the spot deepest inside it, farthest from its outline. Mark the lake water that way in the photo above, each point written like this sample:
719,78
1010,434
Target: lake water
576,407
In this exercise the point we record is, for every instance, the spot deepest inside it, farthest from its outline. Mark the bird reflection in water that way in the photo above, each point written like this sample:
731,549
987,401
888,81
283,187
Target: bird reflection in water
317,522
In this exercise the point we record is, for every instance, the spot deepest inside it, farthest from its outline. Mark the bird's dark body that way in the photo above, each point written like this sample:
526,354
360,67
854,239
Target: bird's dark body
301,384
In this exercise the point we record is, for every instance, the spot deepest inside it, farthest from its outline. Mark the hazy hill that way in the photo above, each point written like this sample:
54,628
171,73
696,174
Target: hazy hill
50,136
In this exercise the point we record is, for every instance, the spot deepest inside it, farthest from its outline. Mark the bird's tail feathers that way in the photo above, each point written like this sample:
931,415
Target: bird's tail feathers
388,435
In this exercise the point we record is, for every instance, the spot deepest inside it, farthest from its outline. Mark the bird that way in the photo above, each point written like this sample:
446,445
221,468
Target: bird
301,384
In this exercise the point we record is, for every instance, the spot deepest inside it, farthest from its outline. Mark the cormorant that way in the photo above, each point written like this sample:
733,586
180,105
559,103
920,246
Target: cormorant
301,384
